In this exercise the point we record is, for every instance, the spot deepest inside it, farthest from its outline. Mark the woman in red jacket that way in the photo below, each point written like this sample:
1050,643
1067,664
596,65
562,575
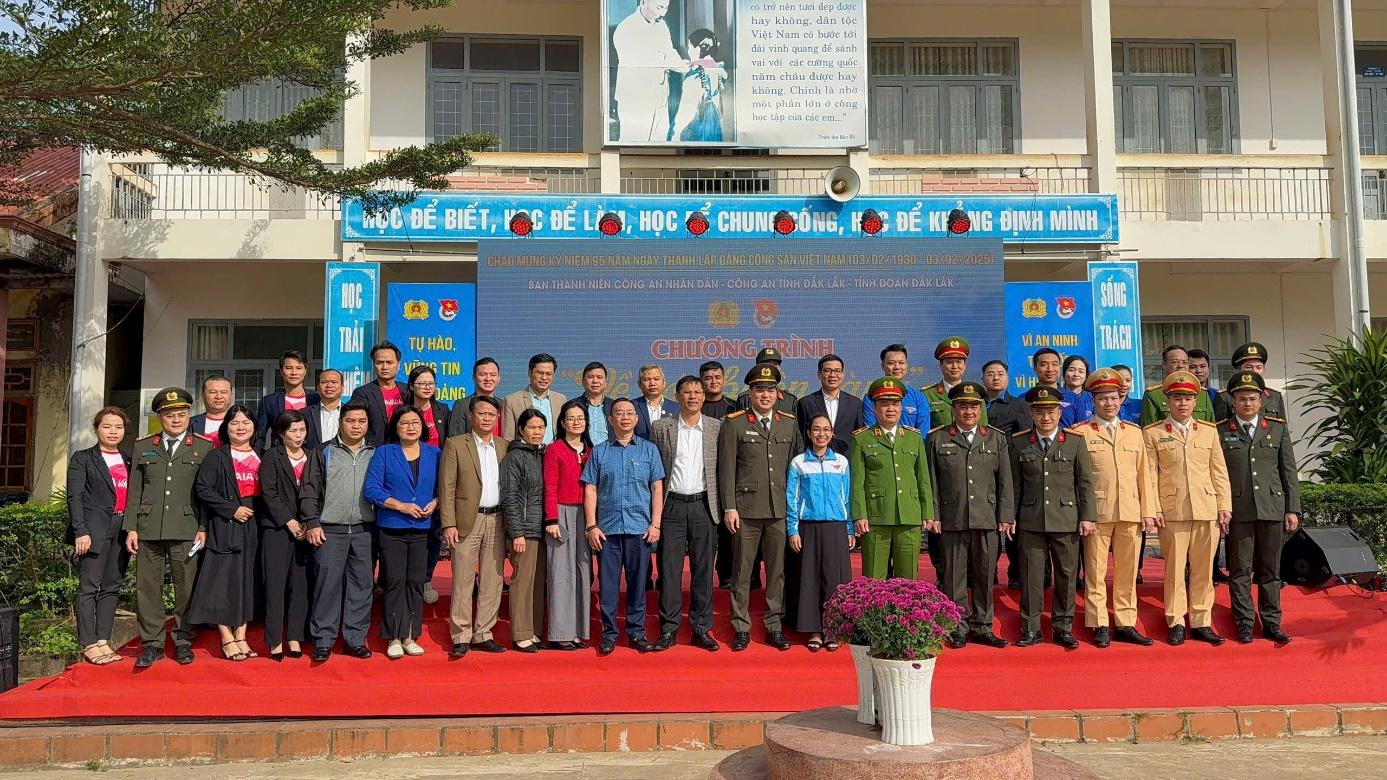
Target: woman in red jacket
569,560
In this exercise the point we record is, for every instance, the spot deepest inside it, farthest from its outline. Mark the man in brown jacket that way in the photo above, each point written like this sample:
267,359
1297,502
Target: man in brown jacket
469,499
1124,489
1195,499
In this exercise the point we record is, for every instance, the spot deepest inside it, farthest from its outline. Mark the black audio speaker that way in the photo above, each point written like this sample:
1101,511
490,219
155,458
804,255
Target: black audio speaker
9,648
1314,556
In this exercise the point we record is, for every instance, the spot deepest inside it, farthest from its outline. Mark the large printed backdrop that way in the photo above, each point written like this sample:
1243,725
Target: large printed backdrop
628,302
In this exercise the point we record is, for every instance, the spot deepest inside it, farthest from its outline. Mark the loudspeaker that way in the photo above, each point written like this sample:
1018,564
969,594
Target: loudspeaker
9,648
842,183
1314,556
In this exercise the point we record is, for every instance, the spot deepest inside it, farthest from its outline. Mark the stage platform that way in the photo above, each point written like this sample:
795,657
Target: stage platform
1336,657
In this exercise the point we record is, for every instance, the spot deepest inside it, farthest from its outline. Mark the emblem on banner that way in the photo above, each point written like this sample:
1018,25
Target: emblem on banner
1065,307
416,310
1033,308
724,314
766,313
447,309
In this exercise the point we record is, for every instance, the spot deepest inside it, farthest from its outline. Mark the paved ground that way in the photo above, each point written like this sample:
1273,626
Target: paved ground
1341,758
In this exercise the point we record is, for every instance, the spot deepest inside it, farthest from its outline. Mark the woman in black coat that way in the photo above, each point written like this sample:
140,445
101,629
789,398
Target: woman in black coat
228,488
522,505
96,483
284,548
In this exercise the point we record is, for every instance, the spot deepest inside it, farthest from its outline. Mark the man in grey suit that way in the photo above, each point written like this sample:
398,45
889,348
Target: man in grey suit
688,445
536,395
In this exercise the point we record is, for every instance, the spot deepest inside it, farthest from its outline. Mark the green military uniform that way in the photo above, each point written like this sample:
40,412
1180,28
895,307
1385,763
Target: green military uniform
1155,407
891,490
753,458
1273,404
1266,488
971,476
1054,494
161,510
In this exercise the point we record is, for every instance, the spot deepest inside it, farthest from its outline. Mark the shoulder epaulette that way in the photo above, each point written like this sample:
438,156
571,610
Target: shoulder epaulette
1274,419
147,438
908,428
938,428
1022,433
1206,423
863,428
1154,424
994,428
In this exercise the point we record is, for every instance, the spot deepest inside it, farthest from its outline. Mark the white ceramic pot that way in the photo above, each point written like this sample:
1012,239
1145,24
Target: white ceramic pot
866,684
903,700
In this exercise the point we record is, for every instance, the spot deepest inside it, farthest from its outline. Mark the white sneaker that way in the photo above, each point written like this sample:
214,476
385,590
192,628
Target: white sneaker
430,595
395,650
412,648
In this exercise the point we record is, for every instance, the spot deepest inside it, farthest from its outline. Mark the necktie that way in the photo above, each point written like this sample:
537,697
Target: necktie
1044,443
766,425
1247,428
169,444
969,437
891,436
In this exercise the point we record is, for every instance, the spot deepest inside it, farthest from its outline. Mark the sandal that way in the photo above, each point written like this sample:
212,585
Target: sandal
236,656
249,652
101,659
830,646
815,645
111,652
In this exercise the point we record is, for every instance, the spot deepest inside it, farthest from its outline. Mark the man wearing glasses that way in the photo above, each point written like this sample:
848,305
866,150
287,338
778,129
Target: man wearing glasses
537,395
843,409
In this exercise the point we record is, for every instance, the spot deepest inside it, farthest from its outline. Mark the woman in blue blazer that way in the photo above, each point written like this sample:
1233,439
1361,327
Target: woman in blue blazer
402,483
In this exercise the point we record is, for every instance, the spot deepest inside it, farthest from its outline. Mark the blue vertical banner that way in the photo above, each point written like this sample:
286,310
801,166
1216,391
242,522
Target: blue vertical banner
435,325
1115,287
1058,315
351,306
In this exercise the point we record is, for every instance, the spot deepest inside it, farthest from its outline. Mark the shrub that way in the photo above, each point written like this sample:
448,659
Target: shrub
1360,507
1347,385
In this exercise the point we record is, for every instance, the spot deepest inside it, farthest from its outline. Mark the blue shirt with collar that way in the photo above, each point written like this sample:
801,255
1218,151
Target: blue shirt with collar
914,410
1130,411
544,406
597,423
622,474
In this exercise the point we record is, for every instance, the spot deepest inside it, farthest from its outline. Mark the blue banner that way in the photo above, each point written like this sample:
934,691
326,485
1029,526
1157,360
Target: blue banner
435,325
351,305
679,303
1116,294
466,216
1058,315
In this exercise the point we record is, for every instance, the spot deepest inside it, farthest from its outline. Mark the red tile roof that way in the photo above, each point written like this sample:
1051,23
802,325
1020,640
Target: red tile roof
43,175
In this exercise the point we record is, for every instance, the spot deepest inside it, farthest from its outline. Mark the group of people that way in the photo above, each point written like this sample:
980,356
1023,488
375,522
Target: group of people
296,512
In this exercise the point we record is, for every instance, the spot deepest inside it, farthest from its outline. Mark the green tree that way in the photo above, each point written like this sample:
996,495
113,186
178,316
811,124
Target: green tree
1347,388
126,76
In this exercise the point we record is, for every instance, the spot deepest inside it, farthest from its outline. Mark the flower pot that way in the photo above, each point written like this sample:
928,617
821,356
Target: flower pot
866,684
903,700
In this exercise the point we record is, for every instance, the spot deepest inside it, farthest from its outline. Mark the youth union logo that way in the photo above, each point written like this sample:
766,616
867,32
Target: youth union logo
1065,307
447,309
766,313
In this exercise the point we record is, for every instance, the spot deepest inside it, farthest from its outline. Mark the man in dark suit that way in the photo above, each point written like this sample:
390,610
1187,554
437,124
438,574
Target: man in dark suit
688,445
486,376
785,400
382,395
293,370
1010,415
844,410
322,418
217,397
653,405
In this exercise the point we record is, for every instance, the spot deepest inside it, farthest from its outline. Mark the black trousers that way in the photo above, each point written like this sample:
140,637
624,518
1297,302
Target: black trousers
970,563
98,593
815,572
1061,551
686,530
1254,555
403,561
284,564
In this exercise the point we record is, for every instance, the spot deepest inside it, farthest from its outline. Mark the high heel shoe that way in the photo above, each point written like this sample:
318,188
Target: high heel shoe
294,653
276,656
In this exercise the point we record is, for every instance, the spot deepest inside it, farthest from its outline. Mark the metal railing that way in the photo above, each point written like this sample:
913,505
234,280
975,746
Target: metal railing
764,181
1019,180
1224,194
161,191
1375,194
520,180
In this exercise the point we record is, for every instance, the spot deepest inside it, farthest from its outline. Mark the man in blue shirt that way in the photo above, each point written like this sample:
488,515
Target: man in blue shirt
914,408
623,500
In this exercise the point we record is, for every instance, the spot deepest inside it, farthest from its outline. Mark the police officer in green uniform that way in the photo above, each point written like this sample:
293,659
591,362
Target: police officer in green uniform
164,524
754,452
952,354
970,468
1251,356
892,498
1154,406
1053,478
785,400
1266,505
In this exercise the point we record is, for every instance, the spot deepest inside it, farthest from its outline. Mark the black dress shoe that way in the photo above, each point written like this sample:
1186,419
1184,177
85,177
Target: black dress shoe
705,641
459,650
1206,635
1175,635
1102,637
1028,638
641,644
1276,635
183,655
276,657
489,646
606,647
294,653
147,657
958,640
1066,640
532,647
358,651
1131,636
740,640
1220,576
665,642
987,638
777,640
1244,635
321,654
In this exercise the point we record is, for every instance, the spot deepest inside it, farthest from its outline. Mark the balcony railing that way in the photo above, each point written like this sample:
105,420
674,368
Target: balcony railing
160,191
994,174
1195,189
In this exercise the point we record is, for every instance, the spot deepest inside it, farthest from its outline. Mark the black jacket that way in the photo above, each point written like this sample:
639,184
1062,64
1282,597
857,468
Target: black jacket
522,490
278,489
849,418
91,499
271,407
216,489
376,419
442,418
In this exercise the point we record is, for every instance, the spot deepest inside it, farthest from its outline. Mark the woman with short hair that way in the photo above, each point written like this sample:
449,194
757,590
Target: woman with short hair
284,549
522,505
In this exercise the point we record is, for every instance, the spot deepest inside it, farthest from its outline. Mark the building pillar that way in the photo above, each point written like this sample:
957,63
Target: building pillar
356,115
1096,31
1351,310
90,293
609,171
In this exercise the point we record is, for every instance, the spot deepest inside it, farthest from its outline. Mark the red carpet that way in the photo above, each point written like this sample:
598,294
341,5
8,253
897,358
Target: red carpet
1336,658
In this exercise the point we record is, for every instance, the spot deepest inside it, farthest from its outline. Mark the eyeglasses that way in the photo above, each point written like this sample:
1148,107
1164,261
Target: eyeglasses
424,385
831,371
571,420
